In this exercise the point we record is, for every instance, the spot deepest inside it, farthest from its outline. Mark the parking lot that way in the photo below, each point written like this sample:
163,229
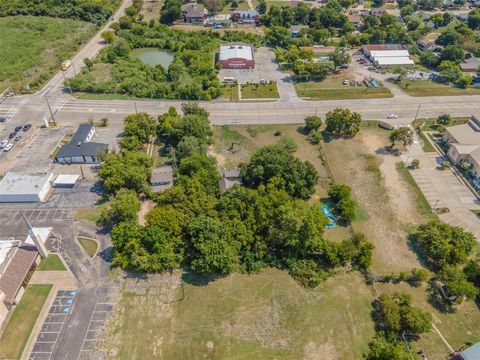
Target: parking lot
266,68
53,325
35,215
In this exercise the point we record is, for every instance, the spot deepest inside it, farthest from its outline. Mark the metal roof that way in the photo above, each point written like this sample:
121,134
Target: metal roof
401,60
389,53
14,183
472,353
66,180
84,149
81,134
236,51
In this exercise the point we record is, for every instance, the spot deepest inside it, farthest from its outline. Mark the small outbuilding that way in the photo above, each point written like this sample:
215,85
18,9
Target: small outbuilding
236,56
20,187
162,178
65,181
229,178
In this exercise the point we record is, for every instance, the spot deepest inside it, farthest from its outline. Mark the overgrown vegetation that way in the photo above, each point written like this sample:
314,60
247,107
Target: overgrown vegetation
265,223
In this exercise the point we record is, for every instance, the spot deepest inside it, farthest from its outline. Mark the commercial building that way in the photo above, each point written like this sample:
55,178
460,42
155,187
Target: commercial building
162,178
387,55
19,187
236,56
81,150
464,143
18,261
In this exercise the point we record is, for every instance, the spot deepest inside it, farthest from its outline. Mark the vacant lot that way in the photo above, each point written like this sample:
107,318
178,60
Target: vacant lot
22,321
32,48
387,200
332,88
260,91
260,316
430,88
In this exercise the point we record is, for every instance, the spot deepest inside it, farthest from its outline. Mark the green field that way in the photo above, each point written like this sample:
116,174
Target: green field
89,214
230,92
260,91
260,316
430,88
23,319
329,90
32,48
431,123
89,245
51,263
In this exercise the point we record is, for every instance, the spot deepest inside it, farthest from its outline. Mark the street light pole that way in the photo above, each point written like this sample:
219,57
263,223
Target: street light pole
50,109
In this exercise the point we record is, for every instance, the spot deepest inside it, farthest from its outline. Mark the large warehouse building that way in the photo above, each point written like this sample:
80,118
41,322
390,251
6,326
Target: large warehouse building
236,56
387,55
20,187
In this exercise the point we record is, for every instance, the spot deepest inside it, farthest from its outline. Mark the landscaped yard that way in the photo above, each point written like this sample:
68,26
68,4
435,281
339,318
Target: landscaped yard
431,123
332,88
32,48
51,263
23,319
260,91
260,316
430,88
89,245
230,92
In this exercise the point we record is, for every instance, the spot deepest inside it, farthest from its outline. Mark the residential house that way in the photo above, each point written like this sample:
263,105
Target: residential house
377,12
229,178
162,178
355,20
424,44
470,64
193,14
295,30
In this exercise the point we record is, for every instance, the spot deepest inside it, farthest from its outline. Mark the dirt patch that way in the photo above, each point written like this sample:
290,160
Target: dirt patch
146,207
402,200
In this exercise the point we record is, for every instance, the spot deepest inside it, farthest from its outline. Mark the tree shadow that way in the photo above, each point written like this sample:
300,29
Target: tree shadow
435,298
414,247
199,279
106,254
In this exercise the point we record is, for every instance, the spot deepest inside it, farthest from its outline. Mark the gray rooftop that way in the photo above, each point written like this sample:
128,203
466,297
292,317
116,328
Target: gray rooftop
14,183
472,353
163,174
81,133
236,51
84,149
464,134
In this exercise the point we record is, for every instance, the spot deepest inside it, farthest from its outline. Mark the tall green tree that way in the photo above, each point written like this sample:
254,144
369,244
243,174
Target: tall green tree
343,122
140,125
123,207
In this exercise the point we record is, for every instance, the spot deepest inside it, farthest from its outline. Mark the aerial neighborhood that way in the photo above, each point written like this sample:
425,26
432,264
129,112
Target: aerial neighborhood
226,179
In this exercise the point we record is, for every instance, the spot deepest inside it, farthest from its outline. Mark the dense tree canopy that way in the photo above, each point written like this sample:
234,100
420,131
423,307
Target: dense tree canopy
273,164
342,122
140,125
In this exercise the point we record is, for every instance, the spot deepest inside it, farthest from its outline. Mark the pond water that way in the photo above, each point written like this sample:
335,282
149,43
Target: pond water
154,56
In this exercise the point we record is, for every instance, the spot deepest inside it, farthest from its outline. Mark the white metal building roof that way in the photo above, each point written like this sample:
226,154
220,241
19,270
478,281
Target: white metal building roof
65,180
240,51
14,183
389,53
402,60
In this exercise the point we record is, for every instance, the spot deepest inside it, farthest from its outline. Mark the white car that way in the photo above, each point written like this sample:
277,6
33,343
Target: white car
8,147
392,116
3,143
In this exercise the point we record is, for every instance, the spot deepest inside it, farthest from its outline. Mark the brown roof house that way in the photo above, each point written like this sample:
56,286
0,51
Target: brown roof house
229,178
162,178
192,14
18,261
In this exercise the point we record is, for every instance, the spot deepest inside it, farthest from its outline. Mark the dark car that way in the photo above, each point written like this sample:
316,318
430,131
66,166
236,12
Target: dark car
26,127
3,118
12,135
18,128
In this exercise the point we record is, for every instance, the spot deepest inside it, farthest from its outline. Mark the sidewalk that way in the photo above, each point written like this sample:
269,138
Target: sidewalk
444,189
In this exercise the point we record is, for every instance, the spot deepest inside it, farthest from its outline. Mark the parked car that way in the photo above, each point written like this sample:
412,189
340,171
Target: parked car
26,127
17,138
345,82
8,147
3,118
18,128
3,143
263,81
12,135
392,116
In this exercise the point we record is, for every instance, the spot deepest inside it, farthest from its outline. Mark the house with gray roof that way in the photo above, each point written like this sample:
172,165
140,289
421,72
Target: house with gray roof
162,178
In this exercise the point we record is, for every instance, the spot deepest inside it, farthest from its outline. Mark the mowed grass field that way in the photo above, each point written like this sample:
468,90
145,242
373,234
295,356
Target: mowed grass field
332,88
32,48
260,316
430,88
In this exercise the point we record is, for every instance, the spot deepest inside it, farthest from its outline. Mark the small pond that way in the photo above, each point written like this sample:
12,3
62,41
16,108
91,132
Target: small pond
154,56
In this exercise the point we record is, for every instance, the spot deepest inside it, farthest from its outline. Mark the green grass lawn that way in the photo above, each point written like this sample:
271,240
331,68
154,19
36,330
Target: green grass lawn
90,245
230,92
23,319
260,91
335,90
32,48
89,214
430,88
51,263
431,125
259,316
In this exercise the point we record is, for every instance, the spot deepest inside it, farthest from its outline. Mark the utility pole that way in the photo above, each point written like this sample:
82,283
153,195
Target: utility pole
135,104
50,109
418,110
